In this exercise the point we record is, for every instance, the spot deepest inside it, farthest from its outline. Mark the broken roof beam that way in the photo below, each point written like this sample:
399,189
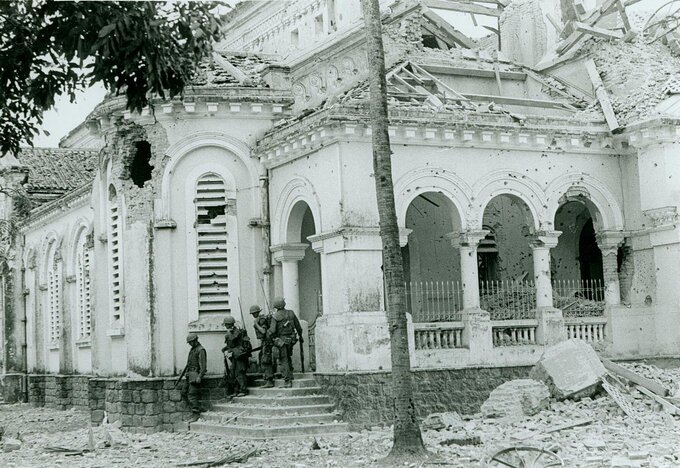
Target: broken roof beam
471,72
572,97
227,65
514,101
602,96
461,7
446,28
598,32
591,20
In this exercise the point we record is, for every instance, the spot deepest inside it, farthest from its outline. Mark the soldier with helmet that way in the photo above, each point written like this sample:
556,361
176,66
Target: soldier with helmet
261,324
237,349
283,329
195,370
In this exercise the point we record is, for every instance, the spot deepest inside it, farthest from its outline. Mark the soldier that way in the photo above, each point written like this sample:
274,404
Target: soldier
282,331
261,324
195,370
237,349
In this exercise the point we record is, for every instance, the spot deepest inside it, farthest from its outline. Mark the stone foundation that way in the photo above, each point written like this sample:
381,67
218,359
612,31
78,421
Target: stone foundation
365,399
142,405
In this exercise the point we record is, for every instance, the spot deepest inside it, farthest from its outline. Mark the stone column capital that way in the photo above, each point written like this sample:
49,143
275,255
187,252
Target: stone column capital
403,236
609,241
545,239
293,252
467,238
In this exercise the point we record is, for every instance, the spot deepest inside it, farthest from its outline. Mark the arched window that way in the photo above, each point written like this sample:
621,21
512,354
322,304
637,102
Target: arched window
53,277
115,247
211,249
82,273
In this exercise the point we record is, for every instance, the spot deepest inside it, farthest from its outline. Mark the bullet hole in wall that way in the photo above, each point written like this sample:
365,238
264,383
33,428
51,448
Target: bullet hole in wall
140,167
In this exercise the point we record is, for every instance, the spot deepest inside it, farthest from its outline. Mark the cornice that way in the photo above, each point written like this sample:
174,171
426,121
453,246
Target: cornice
649,132
455,131
53,209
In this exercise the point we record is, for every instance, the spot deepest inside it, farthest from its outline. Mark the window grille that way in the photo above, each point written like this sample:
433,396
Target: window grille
213,278
114,254
53,296
83,290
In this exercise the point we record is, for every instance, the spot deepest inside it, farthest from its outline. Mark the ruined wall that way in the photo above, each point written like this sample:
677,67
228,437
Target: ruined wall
512,225
570,219
365,399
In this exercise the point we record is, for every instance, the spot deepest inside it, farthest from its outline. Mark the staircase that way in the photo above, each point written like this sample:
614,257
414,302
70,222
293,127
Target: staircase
266,413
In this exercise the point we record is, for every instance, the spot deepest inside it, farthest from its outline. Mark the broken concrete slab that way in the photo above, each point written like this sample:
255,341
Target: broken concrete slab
438,421
570,369
10,444
517,398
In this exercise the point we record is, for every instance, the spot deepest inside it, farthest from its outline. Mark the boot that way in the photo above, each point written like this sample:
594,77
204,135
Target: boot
288,384
268,384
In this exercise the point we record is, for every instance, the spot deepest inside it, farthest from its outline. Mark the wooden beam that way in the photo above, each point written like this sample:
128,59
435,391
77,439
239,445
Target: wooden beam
555,24
513,101
635,378
461,71
599,32
538,78
667,405
613,123
463,7
624,16
452,32
224,63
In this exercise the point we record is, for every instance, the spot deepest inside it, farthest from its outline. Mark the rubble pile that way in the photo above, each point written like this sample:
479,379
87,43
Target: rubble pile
516,398
573,306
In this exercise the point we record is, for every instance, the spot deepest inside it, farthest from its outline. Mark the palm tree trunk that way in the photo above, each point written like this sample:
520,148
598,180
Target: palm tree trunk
407,437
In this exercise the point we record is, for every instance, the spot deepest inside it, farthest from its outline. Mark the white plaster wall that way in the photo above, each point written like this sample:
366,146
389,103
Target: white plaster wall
40,358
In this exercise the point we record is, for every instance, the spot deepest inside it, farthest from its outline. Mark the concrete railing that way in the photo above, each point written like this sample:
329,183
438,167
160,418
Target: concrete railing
514,332
442,335
590,329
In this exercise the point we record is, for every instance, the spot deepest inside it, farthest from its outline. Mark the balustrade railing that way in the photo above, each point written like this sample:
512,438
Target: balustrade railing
434,301
443,335
508,300
579,298
513,332
590,329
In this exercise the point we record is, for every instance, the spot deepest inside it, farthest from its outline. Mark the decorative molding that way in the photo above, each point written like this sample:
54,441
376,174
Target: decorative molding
70,278
470,239
664,216
545,239
165,224
293,252
50,211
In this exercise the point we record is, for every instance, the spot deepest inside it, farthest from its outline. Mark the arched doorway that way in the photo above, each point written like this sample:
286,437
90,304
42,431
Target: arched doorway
577,268
505,259
431,262
301,225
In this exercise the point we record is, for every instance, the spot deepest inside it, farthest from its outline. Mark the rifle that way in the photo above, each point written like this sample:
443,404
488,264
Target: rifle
181,375
302,357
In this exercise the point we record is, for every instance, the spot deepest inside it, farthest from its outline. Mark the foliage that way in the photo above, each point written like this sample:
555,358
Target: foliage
139,49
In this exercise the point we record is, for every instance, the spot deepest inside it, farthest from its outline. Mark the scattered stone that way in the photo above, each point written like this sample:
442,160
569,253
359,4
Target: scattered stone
570,369
621,461
464,440
517,398
10,444
438,421
594,442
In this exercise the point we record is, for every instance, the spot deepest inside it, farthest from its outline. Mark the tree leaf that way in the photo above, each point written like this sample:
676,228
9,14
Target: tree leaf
107,29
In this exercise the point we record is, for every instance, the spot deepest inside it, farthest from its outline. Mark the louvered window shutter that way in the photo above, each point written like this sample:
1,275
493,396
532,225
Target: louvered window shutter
213,276
83,289
114,255
53,298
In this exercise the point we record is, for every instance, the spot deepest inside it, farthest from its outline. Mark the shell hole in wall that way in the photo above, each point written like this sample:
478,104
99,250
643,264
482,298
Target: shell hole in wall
140,167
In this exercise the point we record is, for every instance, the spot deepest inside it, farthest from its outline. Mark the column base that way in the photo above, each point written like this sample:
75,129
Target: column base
351,341
13,387
477,333
550,328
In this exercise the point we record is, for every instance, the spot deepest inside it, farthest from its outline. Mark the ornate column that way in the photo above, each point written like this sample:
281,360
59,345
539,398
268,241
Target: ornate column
288,255
467,242
609,243
476,322
540,245
550,328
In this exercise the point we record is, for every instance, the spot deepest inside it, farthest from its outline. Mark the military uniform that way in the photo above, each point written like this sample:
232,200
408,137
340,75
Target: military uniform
264,359
282,331
195,370
237,345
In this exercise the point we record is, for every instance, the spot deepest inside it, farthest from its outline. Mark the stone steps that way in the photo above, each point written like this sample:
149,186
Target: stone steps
301,410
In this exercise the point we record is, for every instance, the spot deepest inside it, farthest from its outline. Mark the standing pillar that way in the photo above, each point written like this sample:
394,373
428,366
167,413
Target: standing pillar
476,322
550,328
609,243
288,255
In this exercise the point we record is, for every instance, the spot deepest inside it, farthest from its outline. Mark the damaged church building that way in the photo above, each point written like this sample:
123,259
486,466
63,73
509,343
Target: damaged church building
536,183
